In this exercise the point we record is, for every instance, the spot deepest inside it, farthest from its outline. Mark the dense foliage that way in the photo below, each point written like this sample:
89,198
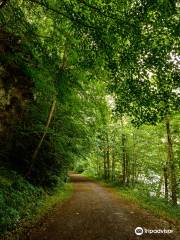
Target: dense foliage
60,99
18,200
83,83
135,158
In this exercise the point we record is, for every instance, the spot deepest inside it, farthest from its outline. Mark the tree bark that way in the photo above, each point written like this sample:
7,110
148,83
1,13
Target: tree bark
108,159
171,164
123,158
134,162
166,193
113,166
105,168
127,168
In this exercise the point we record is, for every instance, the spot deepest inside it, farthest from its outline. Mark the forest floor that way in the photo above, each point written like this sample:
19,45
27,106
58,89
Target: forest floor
96,212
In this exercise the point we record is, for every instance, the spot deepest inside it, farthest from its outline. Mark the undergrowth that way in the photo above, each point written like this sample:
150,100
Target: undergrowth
23,204
158,206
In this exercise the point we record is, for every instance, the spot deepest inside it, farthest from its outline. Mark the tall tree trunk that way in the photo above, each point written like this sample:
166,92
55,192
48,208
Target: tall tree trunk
166,193
127,168
123,158
113,166
97,162
134,162
105,165
108,163
172,170
163,176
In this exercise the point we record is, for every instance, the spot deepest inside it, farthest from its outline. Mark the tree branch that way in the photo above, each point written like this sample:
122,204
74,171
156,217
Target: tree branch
98,10
34,156
62,14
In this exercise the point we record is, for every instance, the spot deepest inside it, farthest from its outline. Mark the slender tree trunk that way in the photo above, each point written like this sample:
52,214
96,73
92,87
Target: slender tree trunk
105,167
134,162
172,170
164,176
166,193
97,163
108,163
127,168
99,169
113,166
123,158
45,130
34,156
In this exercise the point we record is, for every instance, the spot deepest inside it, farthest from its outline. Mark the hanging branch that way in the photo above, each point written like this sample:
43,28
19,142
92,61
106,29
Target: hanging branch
45,130
51,112
34,156
57,11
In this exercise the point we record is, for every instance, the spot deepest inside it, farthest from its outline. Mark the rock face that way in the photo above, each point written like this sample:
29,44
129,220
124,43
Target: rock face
15,86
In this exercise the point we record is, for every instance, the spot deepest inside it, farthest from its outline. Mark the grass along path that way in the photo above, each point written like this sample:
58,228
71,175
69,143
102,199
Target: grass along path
157,206
97,212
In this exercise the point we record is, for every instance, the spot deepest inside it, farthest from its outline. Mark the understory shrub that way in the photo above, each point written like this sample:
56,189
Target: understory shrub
17,201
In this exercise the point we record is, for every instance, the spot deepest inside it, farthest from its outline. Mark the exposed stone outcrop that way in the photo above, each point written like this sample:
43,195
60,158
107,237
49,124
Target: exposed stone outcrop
15,86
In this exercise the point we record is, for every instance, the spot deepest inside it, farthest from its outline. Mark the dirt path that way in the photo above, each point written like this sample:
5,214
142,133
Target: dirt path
97,213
